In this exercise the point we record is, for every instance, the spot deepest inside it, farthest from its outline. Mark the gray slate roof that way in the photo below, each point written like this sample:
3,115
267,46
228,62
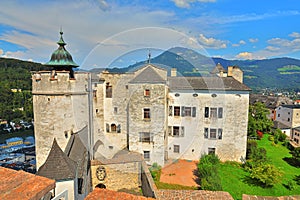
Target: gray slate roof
77,151
58,165
148,75
280,125
206,83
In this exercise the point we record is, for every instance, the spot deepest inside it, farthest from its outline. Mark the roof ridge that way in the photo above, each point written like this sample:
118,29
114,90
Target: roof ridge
58,165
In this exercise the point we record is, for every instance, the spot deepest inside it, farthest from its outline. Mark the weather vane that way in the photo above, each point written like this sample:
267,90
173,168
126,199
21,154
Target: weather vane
149,56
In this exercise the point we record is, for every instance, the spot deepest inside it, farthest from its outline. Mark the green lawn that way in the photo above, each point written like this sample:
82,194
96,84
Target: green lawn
234,177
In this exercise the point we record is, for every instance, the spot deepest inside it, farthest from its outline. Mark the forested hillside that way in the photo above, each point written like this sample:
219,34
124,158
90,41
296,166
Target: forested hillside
15,88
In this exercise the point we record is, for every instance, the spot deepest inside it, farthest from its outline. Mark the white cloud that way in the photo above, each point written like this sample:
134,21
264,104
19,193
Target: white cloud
186,3
211,43
295,35
249,56
84,24
241,42
253,40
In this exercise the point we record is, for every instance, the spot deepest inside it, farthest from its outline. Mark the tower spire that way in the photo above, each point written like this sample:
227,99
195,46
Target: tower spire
149,56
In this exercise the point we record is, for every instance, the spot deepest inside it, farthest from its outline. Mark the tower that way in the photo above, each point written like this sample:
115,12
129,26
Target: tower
60,102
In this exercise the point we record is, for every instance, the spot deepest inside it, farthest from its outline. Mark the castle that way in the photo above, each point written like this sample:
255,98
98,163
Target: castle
145,112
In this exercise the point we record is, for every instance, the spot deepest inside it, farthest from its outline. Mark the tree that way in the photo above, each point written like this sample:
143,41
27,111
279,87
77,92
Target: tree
208,172
296,155
267,174
258,120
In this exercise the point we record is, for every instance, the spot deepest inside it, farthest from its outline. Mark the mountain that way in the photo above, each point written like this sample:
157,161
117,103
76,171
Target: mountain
281,73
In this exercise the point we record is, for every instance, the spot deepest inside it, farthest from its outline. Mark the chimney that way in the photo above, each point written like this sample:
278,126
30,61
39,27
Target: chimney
173,72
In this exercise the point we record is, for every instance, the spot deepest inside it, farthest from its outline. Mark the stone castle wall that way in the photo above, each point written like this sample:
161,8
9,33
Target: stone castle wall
60,106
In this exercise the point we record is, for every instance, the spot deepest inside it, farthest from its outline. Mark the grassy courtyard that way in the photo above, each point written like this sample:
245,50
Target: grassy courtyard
235,179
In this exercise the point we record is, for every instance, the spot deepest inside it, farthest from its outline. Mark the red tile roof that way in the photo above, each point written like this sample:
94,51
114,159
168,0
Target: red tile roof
22,185
105,194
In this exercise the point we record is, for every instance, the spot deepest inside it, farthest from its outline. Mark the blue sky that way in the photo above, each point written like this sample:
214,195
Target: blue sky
101,33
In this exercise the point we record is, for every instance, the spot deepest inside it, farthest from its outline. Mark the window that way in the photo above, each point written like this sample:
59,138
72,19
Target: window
113,128
211,151
115,110
175,130
176,148
108,93
178,131
147,155
119,128
278,115
220,133
288,119
94,93
213,113
188,111
146,113
213,133
147,93
206,112
97,110
205,132
176,111
146,137
220,112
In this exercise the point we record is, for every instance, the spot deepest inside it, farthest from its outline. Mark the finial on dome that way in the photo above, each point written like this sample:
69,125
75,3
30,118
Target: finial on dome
61,41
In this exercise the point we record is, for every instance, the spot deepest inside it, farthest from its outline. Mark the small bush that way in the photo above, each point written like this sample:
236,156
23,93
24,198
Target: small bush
250,144
155,171
290,185
267,174
271,138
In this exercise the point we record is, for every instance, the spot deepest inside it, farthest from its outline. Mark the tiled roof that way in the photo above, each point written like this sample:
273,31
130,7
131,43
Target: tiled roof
206,83
76,151
105,194
148,75
280,125
193,195
23,185
58,166
293,106
271,102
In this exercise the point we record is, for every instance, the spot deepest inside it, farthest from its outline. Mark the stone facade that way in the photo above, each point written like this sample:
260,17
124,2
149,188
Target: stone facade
119,176
226,132
60,106
140,109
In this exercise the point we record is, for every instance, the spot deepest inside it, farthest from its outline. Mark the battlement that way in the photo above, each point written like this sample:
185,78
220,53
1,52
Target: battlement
59,82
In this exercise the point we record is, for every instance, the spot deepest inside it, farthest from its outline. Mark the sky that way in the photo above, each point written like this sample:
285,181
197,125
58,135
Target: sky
116,33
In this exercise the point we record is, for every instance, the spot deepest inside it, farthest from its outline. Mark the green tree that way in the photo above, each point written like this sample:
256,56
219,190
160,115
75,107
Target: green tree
258,120
266,174
208,172
296,155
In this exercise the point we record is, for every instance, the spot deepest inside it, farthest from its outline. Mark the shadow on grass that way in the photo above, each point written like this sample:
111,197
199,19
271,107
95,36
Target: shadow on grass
254,182
291,161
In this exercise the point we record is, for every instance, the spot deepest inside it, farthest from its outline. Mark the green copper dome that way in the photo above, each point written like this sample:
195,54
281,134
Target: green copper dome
61,58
